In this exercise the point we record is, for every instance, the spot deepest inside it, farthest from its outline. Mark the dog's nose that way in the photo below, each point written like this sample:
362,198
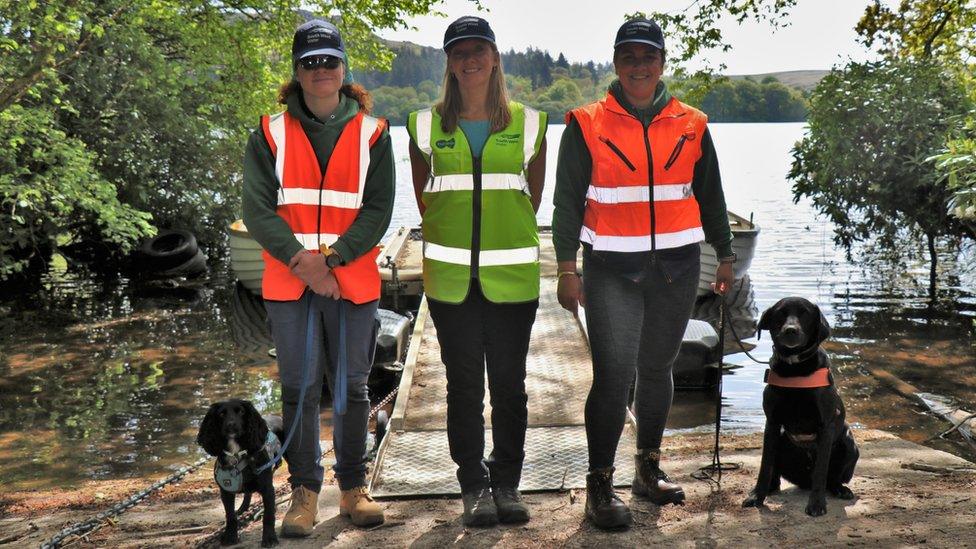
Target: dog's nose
790,330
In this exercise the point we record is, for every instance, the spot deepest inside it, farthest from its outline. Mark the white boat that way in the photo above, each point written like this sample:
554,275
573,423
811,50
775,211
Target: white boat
245,257
744,233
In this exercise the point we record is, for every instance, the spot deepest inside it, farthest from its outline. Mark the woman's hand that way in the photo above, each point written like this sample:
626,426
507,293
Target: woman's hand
569,292
329,287
723,279
311,268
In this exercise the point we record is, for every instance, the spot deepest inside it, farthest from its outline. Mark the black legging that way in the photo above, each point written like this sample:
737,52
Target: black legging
476,336
635,323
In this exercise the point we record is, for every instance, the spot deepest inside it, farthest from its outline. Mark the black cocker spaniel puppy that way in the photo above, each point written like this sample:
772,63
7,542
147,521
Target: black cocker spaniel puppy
242,441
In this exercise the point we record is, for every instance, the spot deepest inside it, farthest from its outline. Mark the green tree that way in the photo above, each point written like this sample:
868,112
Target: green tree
154,99
944,32
863,163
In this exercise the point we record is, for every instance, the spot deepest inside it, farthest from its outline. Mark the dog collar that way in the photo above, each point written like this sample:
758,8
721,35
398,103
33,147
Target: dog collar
819,378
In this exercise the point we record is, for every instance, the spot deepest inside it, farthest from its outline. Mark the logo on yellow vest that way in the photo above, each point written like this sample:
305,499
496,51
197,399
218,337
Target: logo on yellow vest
445,143
507,138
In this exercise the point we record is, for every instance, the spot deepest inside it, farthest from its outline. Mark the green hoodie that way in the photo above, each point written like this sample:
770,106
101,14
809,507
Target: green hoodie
575,165
260,193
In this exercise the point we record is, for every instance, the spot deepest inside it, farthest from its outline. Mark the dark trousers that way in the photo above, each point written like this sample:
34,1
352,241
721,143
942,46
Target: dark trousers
289,324
636,323
473,334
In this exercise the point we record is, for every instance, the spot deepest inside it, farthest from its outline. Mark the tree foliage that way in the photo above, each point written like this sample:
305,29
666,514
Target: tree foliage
141,108
943,32
557,86
864,162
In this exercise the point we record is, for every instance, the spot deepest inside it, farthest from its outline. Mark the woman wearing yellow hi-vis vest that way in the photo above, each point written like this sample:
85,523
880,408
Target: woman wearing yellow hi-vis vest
478,165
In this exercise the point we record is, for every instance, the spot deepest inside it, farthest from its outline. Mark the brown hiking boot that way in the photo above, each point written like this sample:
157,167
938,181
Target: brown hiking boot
603,507
652,483
300,518
359,506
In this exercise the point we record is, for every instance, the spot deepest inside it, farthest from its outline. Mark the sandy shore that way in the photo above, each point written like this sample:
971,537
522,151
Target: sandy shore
895,506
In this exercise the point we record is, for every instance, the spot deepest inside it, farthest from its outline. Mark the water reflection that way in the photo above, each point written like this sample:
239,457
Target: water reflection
109,379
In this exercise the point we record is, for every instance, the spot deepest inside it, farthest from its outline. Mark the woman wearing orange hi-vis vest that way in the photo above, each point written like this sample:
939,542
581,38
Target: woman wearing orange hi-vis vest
637,185
318,197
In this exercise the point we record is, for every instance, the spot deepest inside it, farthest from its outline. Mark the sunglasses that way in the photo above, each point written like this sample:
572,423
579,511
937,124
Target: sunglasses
330,62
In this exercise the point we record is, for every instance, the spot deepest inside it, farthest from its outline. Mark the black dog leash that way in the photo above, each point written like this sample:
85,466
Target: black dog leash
713,471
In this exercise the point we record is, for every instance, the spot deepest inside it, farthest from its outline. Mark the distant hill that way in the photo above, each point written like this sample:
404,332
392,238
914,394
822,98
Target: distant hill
803,80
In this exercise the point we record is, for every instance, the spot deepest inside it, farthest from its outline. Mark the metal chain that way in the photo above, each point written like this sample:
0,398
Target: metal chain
386,400
87,526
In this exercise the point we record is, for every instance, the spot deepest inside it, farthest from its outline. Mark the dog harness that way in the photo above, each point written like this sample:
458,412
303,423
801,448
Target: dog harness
230,476
819,378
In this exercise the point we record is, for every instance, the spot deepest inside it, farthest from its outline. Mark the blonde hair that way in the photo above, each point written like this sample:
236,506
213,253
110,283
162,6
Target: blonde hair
352,91
449,107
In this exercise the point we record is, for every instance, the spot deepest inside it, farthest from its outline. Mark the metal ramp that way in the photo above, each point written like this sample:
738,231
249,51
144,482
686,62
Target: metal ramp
414,459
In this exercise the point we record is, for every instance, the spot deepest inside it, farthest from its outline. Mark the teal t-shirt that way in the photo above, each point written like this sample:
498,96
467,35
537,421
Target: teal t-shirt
476,132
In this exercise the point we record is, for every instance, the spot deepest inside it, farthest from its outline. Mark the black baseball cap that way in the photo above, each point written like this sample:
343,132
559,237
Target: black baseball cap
468,26
640,30
316,37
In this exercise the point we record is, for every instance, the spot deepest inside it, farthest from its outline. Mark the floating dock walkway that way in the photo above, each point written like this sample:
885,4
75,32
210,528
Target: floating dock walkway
414,459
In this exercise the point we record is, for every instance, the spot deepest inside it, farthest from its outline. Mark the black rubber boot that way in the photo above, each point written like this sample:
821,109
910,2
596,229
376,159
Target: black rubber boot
479,508
603,508
652,483
511,508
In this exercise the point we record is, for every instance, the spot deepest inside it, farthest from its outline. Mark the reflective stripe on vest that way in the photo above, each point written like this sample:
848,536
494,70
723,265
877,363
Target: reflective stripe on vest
508,259
617,216
319,208
486,258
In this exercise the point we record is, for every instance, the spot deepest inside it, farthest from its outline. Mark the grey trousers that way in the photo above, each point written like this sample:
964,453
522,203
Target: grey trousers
636,323
289,322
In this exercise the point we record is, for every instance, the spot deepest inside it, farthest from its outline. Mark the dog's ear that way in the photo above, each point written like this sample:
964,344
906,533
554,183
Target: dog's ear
766,320
823,332
255,429
209,436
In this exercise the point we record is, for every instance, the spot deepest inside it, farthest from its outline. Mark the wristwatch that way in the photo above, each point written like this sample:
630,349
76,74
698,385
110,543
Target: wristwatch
730,259
332,257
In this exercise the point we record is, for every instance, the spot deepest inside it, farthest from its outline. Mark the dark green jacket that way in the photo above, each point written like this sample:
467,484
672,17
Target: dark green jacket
575,166
260,196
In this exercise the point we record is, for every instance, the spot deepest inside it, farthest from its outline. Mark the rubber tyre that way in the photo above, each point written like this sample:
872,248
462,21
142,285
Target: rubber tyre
169,249
194,267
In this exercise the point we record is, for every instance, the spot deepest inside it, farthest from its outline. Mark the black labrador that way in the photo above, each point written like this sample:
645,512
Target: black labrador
807,440
242,441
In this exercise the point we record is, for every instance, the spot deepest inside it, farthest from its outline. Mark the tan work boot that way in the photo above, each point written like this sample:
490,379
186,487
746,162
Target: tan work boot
359,506
300,518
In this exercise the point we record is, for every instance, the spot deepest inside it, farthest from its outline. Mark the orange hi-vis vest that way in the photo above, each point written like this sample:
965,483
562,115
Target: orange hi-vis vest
622,215
320,208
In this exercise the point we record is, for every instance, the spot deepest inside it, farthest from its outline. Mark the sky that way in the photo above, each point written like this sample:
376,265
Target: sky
821,33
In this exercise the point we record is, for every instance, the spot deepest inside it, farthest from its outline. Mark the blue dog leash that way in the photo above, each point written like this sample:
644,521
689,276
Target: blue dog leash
341,383
306,369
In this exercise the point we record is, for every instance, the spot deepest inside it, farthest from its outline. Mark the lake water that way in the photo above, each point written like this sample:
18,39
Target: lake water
102,379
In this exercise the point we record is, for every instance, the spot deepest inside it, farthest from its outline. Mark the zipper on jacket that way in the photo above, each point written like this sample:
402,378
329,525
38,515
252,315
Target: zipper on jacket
650,187
676,151
619,153
475,216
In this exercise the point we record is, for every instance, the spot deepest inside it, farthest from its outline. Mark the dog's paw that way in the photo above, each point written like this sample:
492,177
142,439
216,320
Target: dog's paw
842,492
269,540
754,500
817,507
229,538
